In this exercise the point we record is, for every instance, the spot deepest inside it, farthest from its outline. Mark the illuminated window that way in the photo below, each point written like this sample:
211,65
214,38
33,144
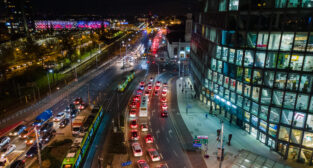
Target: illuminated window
264,112
266,96
283,60
222,5
284,133
296,62
239,57
298,119
280,3
274,41
302,102
297,134
274,115
293,3
293,81
278,98
255,109
308,63
233,5
308,139
290,100
271,60
231,55
300,41
262,40
218,52
272,130
249,58
247,116
280,80
260,59
255,93
225,53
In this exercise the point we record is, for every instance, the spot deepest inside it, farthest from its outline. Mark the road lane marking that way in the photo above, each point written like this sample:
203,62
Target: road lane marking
167,140
156,146
170,132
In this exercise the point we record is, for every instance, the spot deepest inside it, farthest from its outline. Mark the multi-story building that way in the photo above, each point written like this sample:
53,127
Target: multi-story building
252,63
19,16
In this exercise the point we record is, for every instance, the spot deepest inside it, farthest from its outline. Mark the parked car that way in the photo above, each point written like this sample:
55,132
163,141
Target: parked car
4,140
64,123
9,149
18,130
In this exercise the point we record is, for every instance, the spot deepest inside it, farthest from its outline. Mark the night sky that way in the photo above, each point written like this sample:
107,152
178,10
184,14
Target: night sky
112,7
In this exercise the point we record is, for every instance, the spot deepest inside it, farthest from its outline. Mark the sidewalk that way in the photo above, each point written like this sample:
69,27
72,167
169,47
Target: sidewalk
199,124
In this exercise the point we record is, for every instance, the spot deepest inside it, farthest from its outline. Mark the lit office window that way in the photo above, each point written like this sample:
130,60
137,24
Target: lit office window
300,41
260,59
214,76
222,5
274,115
264,112
271,60
278,98
290,100
213,64
286,41
239,57
254,120
298,120
272,130
311,105
233,97
262,40
255,109
280,3
306,83
284,133
239,100
247,116
226,82
280,80
239,73
274,41
308,63
296,62
266,96
308,139
255,93
225,54
286,117
209,74
233,5
239,87
248,73
293,3
283,60
309,123
220,79
231,55
269,78
293,81
247,104
257,77
218,52
249,58
297,134
302,102
263,126
251,39
232,84
226,95
219,66
307,3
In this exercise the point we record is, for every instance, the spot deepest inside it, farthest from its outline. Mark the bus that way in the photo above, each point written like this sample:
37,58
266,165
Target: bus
122,86
79,149
143,109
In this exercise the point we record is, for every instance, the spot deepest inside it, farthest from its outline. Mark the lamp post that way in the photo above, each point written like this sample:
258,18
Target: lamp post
48,73
76,79
38,147
178,68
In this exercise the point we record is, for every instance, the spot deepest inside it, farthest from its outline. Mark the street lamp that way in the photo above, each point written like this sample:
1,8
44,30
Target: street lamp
48,73
178,68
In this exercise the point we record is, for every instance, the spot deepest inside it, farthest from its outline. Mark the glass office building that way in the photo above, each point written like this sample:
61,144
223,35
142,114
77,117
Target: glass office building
252,63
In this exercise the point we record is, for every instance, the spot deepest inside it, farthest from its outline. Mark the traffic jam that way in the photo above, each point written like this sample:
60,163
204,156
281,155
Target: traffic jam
142,143
19,147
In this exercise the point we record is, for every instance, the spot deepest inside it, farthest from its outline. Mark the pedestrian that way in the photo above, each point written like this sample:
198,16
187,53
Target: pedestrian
206,115
229,138
218,131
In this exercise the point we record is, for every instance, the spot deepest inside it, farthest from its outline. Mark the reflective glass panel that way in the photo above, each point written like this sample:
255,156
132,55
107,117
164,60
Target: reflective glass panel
274,41
262,40
286,42
300,41
271,60
296,62
266,96
278,98
260,59
308,63
290,100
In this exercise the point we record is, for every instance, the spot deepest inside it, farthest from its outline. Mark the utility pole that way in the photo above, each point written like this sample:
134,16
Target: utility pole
38,147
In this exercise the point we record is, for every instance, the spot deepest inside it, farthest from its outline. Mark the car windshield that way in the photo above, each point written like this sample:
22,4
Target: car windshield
75,129
60,115
138,150
134,134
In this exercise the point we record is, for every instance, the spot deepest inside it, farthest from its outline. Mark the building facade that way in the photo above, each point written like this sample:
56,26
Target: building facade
19,16
252,63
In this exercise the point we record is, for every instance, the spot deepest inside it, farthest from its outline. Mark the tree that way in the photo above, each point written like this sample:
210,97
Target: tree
6,54
67,44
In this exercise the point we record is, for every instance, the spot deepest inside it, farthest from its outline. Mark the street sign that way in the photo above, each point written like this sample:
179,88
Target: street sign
126,163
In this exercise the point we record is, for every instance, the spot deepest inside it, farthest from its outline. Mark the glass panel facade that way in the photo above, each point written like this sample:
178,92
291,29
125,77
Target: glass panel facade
300,41
233,5
274,41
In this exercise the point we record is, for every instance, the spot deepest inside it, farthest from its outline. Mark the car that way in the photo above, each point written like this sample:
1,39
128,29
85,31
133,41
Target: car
9,149
74,113
145,99
47,137
142,87
134,135
60,116
30,140
32,151
162,166
133,105
144,127
137,150
164,89
82,106
158,83
164,94
18,130
139,91
132,112
4,140
149,88
154,155
46,127
149,138
4,162
157,88
78,101
163,99
156,93
147,93
142,83
164,113
64,123
142,164
136,98
164,106
70,108
164,84
26,132
151,79
150,84
133,124
18,164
